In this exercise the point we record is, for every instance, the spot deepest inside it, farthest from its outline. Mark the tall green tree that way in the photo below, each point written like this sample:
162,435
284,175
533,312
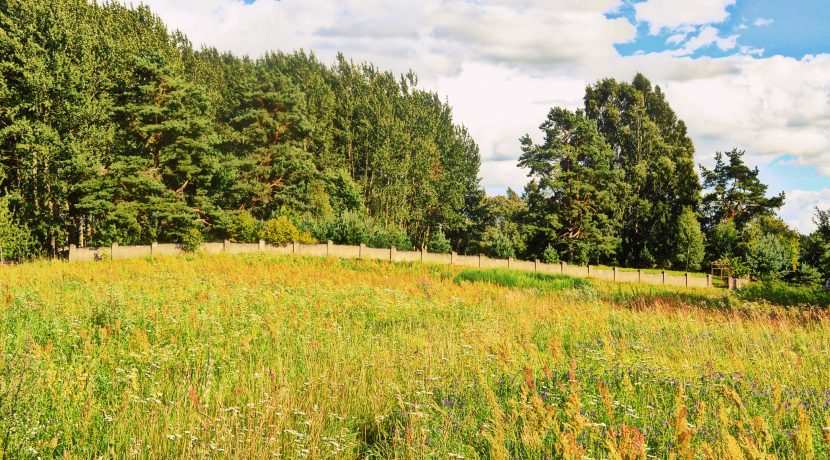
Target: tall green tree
734,192
656,156
690,241
572,198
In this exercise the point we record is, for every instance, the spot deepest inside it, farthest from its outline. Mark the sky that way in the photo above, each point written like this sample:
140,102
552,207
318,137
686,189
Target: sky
746,74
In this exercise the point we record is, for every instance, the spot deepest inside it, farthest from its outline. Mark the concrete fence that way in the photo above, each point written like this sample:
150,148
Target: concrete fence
612,274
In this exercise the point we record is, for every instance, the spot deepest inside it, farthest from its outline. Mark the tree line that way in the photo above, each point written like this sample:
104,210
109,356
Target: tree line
113,128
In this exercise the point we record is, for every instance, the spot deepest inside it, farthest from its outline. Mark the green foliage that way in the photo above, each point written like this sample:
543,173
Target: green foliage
15,240
572,198
655,156
550,256
279,231
115,129
734,192
438,243
690,242
245,227
191,239
523,280
779,293
723,242
355,228
816,246
770,248
497,245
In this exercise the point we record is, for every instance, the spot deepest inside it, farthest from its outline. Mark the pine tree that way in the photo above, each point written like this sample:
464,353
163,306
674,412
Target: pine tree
572,201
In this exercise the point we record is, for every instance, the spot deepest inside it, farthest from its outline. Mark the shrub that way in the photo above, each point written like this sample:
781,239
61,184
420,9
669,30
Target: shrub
550,256
788,295
245,228
191,239
279,231
439,244
354,228
16,242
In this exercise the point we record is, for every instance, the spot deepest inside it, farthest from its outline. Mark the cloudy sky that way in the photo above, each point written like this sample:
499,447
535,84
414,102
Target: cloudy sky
751,74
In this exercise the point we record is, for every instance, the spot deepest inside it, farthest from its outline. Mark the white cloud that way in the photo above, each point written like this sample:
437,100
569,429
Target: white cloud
504,63
799,209
671,14
707,36
761,22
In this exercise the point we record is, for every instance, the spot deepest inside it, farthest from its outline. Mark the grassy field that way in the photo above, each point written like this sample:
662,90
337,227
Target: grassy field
258,357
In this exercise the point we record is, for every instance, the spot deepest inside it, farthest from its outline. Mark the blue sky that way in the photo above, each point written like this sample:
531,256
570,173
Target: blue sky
742,74
789,28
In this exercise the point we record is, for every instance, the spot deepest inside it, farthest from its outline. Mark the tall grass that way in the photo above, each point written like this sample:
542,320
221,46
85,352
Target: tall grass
263,357
520,279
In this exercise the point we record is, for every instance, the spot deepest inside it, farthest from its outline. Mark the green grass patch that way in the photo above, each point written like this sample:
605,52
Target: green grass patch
786,295
523,280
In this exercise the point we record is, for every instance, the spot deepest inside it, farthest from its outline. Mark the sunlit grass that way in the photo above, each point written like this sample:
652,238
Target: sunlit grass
257,357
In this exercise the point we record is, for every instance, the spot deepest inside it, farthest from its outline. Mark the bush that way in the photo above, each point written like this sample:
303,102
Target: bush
550,256
354,228
191,239
282,231
787,295
16,242
245,227
439,244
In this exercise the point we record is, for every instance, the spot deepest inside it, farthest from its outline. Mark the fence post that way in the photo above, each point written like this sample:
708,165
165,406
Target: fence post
423,250
480,256
261,246
589,270
664,276
225,245
536,265
361,251
113,250
295,247
687,280
614,270
708,280
639,275
72,250
562,267
393,253
509,262
329,248
154,247
452,257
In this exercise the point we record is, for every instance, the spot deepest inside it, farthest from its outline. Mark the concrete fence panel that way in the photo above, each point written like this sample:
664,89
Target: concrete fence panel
166,249
652,278
627,277
444,259
131,252
523,265
602,274
575,270
675,280
408,256
345,252
242,248
553,269
487,262
88,254
466,261
278,249
317,250
375,253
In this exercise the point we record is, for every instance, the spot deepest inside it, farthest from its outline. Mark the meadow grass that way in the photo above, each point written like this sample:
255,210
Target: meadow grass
267,357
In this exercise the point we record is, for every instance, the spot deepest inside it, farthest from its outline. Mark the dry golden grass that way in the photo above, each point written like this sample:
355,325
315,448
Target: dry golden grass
256,357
